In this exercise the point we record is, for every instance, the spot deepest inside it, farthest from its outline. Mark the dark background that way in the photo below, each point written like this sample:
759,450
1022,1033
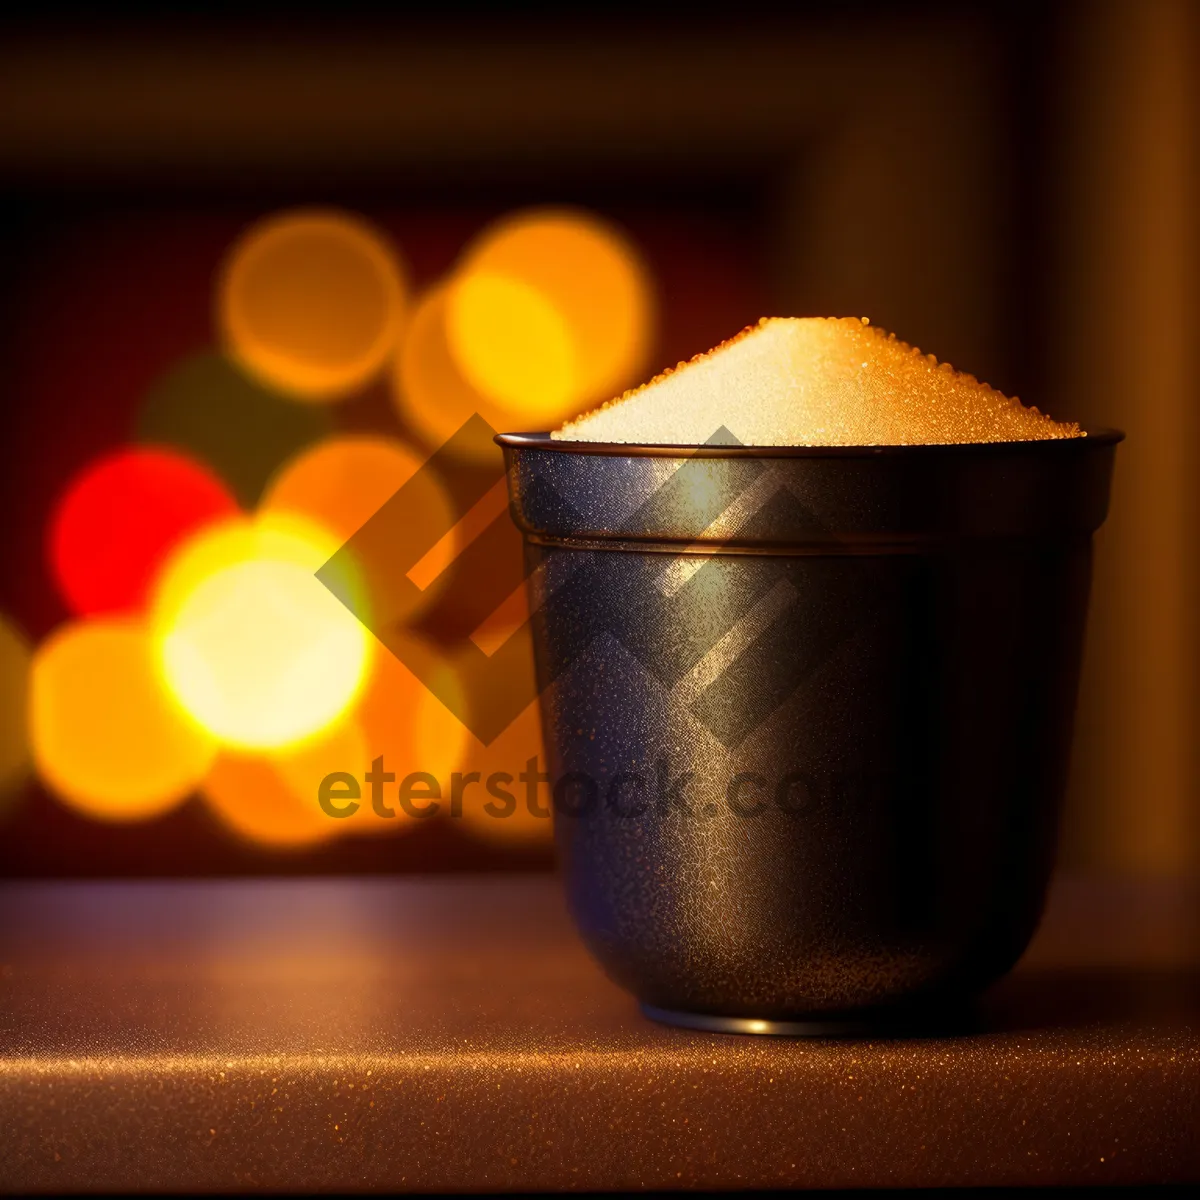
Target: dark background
1010,186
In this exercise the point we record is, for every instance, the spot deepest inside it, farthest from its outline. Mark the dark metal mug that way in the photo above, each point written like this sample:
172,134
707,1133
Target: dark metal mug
807,711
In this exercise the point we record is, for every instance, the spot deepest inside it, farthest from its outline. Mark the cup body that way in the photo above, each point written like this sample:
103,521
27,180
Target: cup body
807,711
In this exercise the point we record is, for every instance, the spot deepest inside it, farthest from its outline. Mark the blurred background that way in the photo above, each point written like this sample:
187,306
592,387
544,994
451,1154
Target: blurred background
257,270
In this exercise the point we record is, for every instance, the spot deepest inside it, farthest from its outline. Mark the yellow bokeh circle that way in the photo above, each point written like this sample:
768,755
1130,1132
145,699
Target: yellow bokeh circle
252,645
343,481
551,309
513,345
271,798
106,736
312,302
429,389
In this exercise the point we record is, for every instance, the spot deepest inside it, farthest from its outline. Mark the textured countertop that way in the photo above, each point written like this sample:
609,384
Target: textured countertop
452,1034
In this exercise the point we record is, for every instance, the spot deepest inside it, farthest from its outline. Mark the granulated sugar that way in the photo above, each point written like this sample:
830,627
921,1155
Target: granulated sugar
814,381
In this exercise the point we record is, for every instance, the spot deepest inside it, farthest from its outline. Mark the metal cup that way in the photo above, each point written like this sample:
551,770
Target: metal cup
807,711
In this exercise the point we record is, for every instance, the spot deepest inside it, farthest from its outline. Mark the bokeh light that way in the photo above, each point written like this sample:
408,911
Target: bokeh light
271,799
211,410
252,645
344,481
15,658
211,658
404,722
509,753
106,736
429,389
311,302
585,271
514,345
120,518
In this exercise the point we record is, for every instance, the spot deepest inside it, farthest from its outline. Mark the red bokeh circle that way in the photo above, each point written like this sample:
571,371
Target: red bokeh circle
119,519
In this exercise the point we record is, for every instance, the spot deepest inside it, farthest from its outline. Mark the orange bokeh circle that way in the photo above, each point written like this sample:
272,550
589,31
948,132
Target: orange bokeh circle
312,302
585,294
342,482
272,799
428,387
406,722
106,735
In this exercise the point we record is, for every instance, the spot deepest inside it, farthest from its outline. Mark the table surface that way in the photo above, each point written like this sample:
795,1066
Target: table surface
453,1034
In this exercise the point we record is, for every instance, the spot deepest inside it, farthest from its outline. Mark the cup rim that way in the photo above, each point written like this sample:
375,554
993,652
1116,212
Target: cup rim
541,440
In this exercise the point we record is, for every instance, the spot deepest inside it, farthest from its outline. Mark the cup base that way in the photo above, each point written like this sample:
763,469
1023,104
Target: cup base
760,1027
941,1021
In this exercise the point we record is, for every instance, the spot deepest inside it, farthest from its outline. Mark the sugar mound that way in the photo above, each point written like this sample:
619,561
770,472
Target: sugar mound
814,381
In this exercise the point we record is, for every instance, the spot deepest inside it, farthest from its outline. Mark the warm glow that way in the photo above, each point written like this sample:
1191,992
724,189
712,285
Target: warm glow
15,656
496,628
341,483
405,723
271,799
121,517
509,753
105,735
312,302
589,274
514,345
251,643
429,388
